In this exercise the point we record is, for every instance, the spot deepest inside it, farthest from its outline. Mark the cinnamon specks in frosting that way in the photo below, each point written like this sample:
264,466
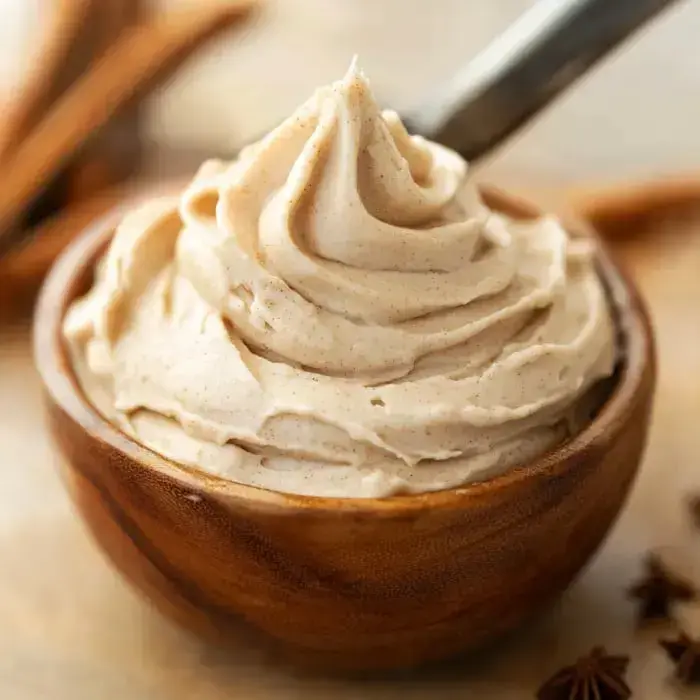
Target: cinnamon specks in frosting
337,313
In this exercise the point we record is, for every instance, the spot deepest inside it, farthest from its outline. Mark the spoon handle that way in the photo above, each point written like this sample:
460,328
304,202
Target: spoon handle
519,73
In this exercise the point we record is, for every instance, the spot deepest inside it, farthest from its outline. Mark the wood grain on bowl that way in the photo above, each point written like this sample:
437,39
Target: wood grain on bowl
347,583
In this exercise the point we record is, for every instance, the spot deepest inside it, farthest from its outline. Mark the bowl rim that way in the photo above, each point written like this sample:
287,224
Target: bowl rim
51,360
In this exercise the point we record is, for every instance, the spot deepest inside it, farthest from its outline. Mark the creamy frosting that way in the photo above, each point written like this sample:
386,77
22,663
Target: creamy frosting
336,313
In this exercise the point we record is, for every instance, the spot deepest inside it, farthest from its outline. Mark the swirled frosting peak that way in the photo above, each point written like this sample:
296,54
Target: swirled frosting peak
337,313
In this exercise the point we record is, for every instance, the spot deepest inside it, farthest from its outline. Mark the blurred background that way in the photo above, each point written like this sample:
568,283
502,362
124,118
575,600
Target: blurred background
627,119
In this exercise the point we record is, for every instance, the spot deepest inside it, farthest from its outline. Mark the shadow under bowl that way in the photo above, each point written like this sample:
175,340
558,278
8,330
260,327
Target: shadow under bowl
349,584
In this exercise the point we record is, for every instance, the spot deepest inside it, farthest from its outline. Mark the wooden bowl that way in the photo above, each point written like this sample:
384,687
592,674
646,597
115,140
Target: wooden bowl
346,583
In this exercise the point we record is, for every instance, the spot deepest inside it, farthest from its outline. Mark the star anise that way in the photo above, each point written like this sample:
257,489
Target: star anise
686,654
658,590
598,676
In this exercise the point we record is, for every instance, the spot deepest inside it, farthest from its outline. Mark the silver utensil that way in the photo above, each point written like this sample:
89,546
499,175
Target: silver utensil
525,68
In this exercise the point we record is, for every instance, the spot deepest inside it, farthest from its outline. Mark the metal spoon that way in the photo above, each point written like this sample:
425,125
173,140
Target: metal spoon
524,69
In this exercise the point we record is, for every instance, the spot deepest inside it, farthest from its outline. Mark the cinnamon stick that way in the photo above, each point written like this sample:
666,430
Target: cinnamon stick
22,270
617,209
78,32
24,267
53,68
143,58
116,152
